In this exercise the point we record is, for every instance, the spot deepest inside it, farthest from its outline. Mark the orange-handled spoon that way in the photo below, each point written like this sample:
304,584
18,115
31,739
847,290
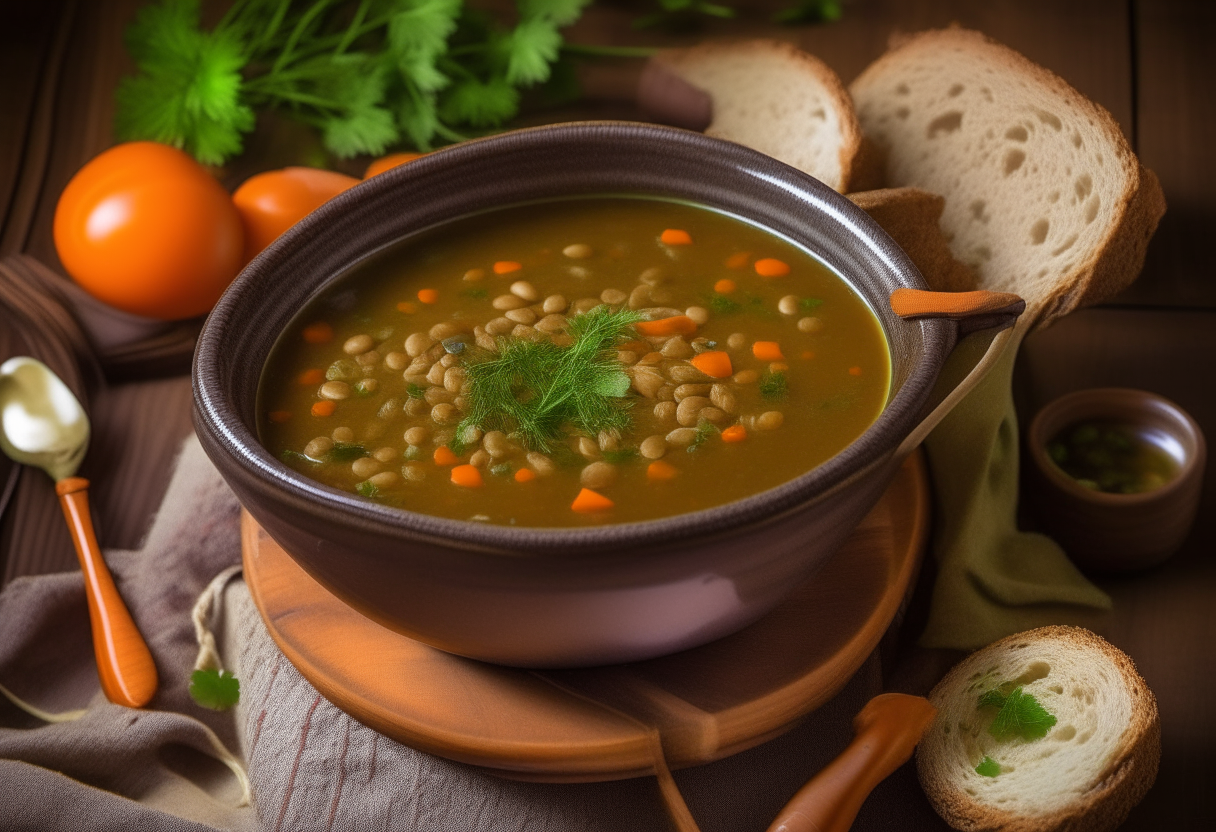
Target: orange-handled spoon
886,732
43,425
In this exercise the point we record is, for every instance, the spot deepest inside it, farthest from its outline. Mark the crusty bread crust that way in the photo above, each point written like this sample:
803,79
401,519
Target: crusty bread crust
1127,777
1113,260
719,69
910,216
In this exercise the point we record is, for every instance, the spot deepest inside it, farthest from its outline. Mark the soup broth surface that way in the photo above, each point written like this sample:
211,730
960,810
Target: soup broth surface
750,363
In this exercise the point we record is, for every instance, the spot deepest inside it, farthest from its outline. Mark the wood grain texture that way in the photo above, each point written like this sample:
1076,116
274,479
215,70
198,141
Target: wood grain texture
124,663
595,724
1176,133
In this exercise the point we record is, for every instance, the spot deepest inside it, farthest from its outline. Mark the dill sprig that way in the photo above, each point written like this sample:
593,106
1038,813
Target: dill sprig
535,389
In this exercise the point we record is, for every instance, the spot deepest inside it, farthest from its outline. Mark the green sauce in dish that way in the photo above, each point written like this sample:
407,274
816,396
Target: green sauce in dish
1112,457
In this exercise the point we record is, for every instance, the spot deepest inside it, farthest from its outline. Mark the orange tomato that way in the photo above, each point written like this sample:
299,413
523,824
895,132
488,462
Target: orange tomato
272,202
146,229
389,162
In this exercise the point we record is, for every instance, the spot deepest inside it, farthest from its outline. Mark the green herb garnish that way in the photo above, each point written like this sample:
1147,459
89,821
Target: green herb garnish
367,74
475,293
502,469
621,455
1019,715
774,387
704,431
414,391
807,304
988,767
723,305
368,489
217,690
457,445
347,452
413,452
534,389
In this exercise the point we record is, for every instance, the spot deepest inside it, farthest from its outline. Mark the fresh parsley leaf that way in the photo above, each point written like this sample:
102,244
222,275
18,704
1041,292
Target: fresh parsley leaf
502,469
988,767
347,452
480,104
415,391
217,690
368,489
994,698
774,386
534,45
1020,716
558,12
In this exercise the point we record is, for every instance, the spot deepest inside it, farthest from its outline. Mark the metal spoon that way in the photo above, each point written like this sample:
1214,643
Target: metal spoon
43,425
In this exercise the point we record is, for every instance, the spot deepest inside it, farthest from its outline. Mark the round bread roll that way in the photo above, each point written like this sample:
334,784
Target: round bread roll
1084,774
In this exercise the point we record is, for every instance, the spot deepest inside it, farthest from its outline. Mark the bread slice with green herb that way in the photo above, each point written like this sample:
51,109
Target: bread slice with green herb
775,98
1049,729
1044,197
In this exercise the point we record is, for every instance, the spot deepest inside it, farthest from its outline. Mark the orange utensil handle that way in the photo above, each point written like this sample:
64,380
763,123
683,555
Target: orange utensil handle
124,663
887,731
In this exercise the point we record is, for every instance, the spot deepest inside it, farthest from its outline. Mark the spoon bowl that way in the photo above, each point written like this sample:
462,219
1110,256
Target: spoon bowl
43,425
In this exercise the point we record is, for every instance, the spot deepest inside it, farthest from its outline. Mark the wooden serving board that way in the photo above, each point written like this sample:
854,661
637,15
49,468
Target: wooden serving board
602,723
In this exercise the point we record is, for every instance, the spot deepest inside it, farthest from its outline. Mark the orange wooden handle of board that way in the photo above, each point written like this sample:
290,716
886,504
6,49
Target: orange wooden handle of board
886,732
124,663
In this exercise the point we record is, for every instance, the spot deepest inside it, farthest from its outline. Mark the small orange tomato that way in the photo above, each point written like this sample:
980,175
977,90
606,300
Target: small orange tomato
145,228
389,162
272,202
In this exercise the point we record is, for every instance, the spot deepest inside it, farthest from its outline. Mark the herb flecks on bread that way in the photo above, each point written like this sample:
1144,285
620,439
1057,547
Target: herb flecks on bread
1078,749
775,98
1044,197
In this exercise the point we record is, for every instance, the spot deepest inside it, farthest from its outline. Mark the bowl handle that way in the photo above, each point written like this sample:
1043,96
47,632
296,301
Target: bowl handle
974,311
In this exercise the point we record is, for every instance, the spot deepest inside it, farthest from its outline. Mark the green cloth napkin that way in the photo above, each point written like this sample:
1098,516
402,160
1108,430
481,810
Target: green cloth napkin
992,579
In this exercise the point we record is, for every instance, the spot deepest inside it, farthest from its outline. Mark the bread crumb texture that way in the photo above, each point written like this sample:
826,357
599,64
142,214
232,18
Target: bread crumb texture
777,99
1091,768
1037,178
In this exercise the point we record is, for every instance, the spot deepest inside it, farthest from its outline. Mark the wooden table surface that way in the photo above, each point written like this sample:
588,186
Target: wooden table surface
1150,62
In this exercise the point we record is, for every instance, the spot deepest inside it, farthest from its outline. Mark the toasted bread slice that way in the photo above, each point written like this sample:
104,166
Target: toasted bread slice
1043,195
775,98
1093,765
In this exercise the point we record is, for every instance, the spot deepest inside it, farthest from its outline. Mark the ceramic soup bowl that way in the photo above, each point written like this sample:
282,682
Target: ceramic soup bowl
544,597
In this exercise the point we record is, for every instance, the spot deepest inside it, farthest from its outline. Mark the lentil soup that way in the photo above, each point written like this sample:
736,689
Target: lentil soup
573,363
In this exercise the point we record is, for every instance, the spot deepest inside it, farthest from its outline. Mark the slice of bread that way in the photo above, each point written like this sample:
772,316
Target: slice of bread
775,98
1043,195
1093,765
911,216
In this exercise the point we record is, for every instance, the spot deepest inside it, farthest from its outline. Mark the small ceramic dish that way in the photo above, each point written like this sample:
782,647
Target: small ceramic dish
545,597
1114,532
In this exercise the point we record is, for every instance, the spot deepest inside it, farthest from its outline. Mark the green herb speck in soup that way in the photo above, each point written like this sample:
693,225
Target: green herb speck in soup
574,363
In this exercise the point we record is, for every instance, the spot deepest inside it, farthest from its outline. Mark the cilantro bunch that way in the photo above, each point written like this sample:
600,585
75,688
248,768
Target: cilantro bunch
369,74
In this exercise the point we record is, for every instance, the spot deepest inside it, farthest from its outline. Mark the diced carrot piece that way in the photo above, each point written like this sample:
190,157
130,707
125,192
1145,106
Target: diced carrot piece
715,364
725,286
468,476
660,470
675,325
767,351
428,295
525,475
675,237
589,501
738,260
325,408
279,416
854,371
772,267
734,433
388,163
444,456
507,266
313,376
318,333
407,307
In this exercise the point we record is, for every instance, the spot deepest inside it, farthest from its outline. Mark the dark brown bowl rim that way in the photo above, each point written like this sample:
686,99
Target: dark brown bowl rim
223,429
1099,399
